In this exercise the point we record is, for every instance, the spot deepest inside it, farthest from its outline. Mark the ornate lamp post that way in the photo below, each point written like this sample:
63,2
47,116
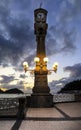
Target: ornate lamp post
41,96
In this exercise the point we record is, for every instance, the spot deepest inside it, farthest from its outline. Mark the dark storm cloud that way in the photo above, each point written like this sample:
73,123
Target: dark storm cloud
68,42
75,73
7,79
16,34
17,37
60,40
69,10
22,4
57,84
30,58
19,86
51,44
75,70
61,36
23,76
76,6
8,51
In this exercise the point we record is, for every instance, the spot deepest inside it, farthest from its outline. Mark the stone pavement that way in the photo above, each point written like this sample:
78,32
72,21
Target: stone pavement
63,116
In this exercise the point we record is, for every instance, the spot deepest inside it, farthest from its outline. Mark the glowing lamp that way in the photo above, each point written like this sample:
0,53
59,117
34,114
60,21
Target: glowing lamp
45,59
25,65
56,64
36,59
55,67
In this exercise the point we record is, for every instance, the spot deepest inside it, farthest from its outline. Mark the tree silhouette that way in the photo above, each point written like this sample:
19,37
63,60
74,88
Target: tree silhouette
71,87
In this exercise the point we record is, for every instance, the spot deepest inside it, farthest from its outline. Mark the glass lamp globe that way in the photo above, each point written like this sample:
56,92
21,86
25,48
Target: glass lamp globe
36,59
45,59
25,64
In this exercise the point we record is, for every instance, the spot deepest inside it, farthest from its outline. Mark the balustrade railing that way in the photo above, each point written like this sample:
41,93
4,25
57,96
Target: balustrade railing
63,97
12,104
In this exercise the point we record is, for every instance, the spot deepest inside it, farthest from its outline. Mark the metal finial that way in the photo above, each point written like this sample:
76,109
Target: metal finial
40,4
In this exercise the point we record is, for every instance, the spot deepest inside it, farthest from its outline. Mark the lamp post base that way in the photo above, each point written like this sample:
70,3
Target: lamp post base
41,100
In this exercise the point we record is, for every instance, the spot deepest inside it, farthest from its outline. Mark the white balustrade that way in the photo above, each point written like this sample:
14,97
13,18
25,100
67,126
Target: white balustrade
63,97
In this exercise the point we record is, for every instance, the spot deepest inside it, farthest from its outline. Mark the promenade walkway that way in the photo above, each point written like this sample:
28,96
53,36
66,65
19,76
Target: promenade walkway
63,116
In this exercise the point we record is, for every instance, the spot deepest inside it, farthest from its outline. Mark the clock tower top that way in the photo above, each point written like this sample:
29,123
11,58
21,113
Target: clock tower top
40,25
40,15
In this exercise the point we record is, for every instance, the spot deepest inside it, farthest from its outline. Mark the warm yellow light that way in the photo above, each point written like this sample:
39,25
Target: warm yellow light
45,59
1,78
36,59
55,67
14,82
55,64
3,89
25,65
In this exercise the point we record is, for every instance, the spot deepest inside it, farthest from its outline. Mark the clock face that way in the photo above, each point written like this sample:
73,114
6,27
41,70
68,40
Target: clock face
40,17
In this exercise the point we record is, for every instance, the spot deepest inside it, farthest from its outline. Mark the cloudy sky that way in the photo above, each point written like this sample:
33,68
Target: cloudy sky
18,43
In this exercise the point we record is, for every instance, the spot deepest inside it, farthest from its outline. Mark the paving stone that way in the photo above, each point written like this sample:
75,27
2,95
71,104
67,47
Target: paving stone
43,112
64,116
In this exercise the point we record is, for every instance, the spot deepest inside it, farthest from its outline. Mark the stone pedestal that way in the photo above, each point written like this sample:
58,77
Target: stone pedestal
41,100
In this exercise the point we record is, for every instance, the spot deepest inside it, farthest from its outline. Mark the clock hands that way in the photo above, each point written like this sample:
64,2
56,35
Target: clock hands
40,15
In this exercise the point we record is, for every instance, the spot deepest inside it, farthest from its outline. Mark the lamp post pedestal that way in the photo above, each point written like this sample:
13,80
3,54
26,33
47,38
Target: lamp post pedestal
41,100
41,96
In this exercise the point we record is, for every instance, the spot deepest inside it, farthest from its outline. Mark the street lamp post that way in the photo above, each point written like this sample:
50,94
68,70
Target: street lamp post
40,66
36,59
41,96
